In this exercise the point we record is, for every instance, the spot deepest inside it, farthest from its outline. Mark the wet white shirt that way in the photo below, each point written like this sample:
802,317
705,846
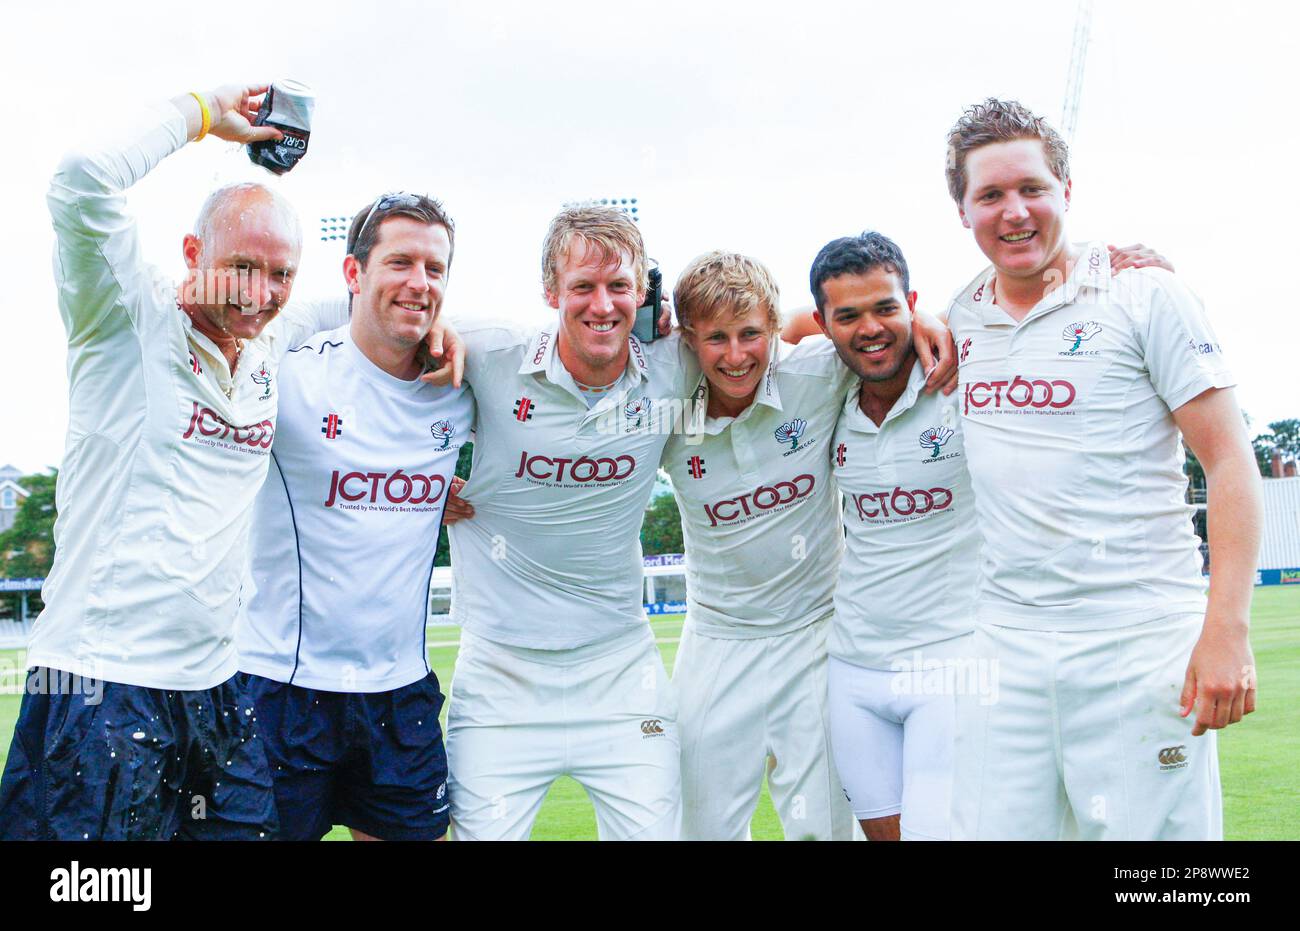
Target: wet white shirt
166,448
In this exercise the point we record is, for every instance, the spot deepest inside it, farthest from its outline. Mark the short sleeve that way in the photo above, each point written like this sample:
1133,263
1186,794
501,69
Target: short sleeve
1181,350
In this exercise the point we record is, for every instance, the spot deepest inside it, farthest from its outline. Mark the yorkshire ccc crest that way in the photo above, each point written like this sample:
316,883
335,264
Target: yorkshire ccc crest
262,377
443,430
934,438
1078,332
791,432
637,412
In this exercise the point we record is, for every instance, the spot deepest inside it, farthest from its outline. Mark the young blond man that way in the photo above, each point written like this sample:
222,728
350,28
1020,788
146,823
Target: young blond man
760,517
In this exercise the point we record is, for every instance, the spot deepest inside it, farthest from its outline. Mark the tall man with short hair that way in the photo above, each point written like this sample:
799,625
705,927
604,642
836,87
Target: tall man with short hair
1075,388
558,672
344,544
172,413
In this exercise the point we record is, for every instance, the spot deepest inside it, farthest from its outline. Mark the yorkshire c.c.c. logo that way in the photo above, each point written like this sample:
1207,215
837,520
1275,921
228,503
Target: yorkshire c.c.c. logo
262,377
790,432
636,411
443,430
1078,332
934,438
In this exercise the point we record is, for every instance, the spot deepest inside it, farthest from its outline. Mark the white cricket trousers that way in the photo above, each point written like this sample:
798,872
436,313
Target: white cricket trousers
603,714
1085,739
743,701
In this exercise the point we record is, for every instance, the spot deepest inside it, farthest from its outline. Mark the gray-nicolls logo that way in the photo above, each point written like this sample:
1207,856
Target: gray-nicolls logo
654,727
103,884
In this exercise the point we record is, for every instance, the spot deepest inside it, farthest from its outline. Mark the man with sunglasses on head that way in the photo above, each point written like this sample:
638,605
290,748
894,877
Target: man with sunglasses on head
343,545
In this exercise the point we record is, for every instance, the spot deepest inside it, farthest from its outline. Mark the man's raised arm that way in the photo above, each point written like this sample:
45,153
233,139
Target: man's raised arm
97,259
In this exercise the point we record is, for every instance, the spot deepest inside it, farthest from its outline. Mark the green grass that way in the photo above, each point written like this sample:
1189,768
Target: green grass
1258,759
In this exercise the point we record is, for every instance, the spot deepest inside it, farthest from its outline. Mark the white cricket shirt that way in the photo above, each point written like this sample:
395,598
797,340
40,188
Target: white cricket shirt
347,523
166,447
760,514
909,574
1075,456
552,557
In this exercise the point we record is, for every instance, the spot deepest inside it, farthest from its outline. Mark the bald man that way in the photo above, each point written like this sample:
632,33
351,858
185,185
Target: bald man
132,725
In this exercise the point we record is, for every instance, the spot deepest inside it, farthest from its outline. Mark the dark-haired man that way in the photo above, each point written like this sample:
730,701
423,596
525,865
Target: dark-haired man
1075,388
343,546
904,602
899,645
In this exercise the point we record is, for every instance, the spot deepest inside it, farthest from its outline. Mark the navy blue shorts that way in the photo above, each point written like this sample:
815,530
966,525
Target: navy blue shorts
373,761
95,760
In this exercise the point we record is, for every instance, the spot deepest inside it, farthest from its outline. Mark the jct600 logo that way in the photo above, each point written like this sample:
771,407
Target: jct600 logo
901,503
1019,393
581,469
397,488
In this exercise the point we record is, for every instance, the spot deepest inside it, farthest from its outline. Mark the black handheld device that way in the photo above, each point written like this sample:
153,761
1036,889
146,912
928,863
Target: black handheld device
646,327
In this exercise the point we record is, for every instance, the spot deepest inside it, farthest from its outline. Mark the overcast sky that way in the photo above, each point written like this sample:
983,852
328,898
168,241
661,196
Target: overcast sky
763,128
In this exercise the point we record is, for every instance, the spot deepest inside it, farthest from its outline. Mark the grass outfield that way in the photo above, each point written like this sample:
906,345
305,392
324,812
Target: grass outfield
1258,759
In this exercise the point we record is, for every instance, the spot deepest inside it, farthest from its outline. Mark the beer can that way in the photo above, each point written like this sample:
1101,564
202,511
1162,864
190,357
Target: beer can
288,107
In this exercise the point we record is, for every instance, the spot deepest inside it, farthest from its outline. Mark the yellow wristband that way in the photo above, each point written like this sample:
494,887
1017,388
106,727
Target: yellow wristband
206,113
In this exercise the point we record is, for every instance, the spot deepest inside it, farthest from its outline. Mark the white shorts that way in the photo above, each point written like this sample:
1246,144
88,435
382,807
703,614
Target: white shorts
743,701
603,714
893,738
1084,739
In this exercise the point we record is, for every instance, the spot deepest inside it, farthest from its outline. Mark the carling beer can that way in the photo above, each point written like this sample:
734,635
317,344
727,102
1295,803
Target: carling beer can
287,107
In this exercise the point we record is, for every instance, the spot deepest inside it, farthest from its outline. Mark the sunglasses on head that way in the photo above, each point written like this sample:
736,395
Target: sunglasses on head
384,202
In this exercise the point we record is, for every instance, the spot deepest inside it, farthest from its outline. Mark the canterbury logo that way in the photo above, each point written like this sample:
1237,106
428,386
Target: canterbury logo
1172,756
652,728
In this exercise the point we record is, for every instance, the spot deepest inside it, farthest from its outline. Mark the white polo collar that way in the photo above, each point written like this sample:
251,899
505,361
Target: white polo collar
541,355
1092,270
768,394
